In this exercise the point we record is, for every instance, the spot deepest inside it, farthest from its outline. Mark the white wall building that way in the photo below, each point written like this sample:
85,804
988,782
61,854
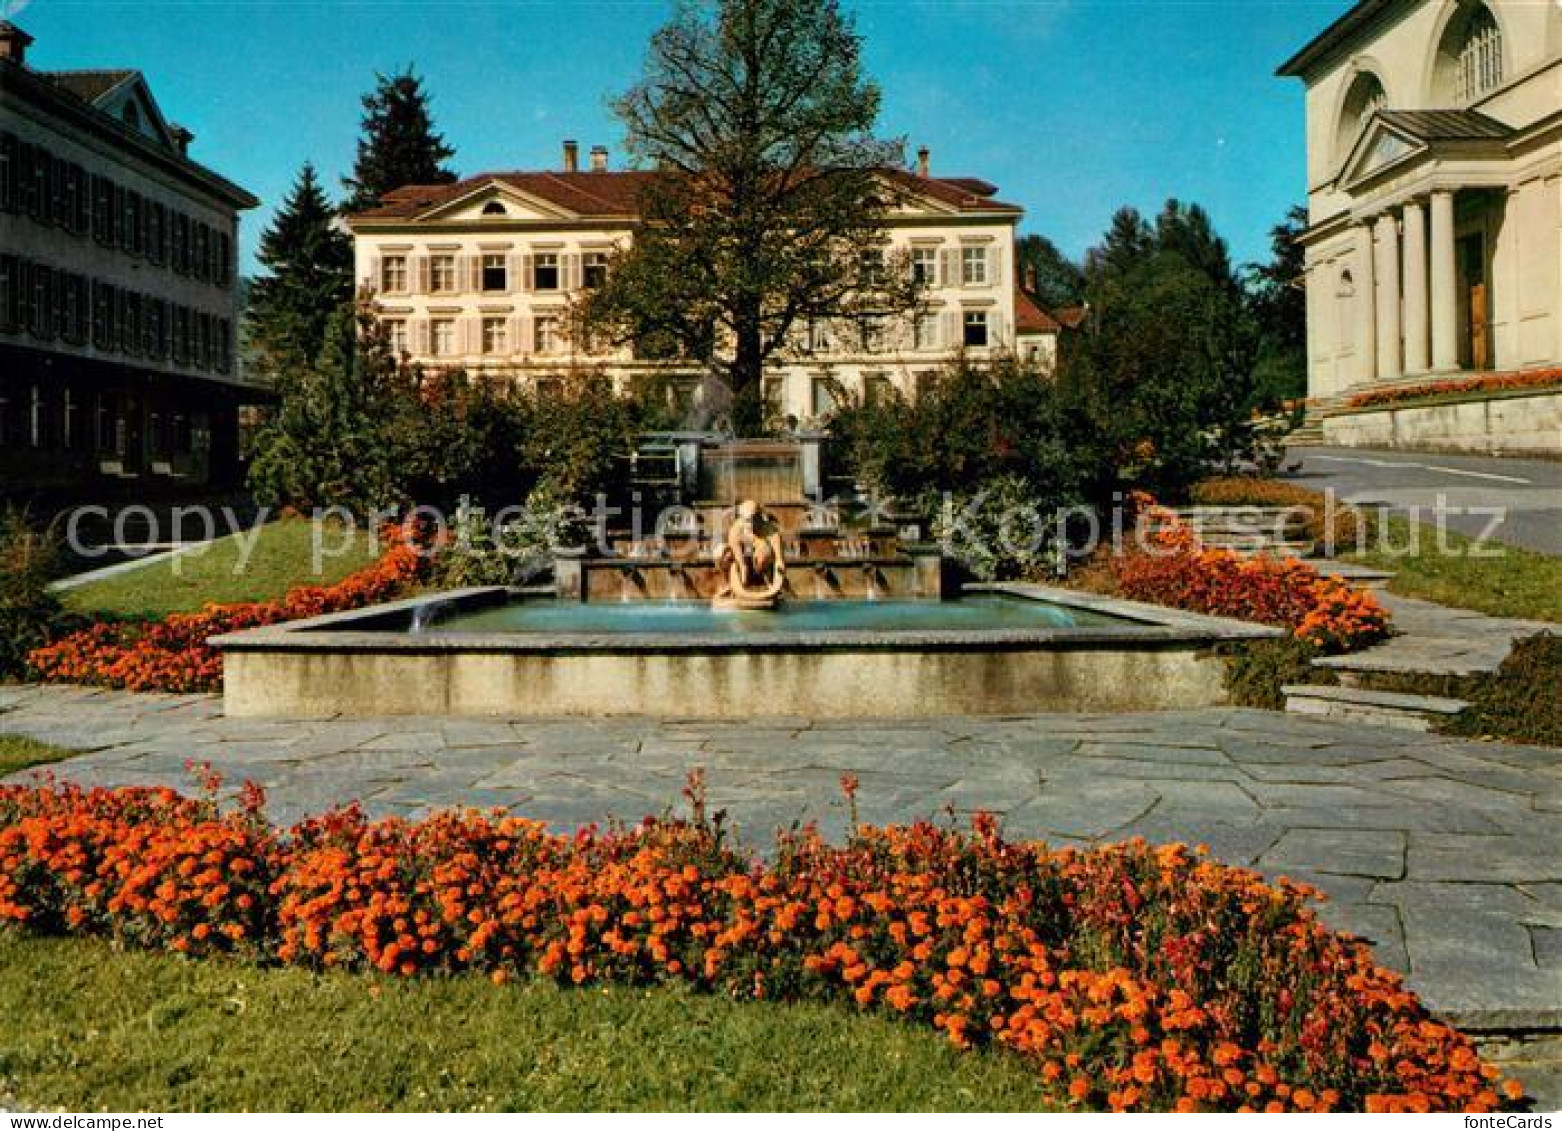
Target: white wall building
480,274
1434,176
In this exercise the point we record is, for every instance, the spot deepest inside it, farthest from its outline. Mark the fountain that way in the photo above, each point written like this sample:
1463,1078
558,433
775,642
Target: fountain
703,618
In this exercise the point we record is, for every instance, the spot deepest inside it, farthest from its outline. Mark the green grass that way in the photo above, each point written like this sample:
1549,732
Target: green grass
17,753
1516,583
87,1027
282,557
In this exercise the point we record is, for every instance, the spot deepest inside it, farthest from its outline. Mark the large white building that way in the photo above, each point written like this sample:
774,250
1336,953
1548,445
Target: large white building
118,295
1434,177
480,274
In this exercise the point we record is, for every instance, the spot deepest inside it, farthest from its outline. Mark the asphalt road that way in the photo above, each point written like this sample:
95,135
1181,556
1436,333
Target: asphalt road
1468,489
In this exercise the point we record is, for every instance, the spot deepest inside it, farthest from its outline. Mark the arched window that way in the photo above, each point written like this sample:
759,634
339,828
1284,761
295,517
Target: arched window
494,208
1364,99
1469,57
1480,55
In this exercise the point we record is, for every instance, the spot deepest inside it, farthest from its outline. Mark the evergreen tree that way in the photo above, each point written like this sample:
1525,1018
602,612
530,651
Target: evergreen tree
1277,297
310,264
398,146
1052,278
1127,242
337,437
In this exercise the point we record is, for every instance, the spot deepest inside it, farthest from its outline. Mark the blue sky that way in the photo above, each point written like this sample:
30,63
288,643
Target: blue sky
1072,107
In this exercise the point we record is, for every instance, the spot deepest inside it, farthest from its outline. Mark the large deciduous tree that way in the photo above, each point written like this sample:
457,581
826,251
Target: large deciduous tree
399,145
769,211
309,268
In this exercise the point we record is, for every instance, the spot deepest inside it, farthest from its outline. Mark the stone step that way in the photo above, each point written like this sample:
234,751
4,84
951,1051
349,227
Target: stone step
1374,708
1362,577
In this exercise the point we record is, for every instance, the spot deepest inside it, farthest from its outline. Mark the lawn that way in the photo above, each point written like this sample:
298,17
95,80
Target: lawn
91,1028
1518,583
282,556
17,753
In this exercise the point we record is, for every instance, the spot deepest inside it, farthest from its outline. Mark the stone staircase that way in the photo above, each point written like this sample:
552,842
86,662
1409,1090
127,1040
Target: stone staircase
1250,531
1375,708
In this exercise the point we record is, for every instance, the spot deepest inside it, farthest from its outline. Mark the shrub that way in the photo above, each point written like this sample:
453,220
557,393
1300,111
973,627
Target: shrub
1257,671
1521,701
999,533
1331,523
30,614
173,655
484,550
1129,976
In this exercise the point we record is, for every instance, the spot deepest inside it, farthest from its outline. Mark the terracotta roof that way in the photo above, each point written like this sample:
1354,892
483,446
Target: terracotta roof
1447,125
618,193
1029,318
89,86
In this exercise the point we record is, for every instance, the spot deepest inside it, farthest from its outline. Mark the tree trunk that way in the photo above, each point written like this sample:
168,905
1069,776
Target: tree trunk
747,376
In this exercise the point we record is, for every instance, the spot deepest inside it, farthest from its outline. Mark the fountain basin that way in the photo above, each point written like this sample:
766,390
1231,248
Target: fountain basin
999,650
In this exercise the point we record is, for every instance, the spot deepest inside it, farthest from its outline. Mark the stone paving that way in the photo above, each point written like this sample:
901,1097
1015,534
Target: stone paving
1437,640
1446,854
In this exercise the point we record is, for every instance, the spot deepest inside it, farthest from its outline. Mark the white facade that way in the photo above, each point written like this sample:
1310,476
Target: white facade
480,275
1434,173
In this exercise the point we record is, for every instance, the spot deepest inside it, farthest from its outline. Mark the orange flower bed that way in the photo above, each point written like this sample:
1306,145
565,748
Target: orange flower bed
172,654
1174,569
1485,383
1130,977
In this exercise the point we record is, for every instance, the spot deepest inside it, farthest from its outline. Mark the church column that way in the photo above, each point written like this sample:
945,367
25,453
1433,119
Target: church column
1366,313
1417,359
1445,287
1390,353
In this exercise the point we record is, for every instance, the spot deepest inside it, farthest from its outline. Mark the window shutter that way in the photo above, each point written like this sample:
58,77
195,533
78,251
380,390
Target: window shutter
419,337
573,283
527,276
513,266
517,331
953,329
420,280
995,266
376,277
949,267
997,329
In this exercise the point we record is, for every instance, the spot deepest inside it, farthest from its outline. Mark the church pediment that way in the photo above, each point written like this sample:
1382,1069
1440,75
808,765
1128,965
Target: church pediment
1380,148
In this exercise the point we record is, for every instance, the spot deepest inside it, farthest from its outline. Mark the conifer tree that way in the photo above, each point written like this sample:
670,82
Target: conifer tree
309,264
398,146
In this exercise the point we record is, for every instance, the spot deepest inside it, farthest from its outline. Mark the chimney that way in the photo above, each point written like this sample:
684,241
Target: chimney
599,158
1030,278
14,43
571,156
182,138
923,157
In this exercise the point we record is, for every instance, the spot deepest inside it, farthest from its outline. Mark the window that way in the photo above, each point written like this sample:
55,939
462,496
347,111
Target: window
872,331
594,270
496,336
927,332
442,274
546,333
494,208
545,272
975,329
973,266
444,337
774,395
876,389
870,264
818,336
396,335
1480,56
393,274
823,400
924,266
496,272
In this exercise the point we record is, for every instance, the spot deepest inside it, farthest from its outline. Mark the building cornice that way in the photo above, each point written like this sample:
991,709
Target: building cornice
39,91
1365,17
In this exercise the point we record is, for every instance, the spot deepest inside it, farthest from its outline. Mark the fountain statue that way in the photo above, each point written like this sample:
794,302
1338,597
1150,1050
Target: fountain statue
750,567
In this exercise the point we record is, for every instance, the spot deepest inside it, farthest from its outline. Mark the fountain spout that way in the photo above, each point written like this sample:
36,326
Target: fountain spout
631,584
871,580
